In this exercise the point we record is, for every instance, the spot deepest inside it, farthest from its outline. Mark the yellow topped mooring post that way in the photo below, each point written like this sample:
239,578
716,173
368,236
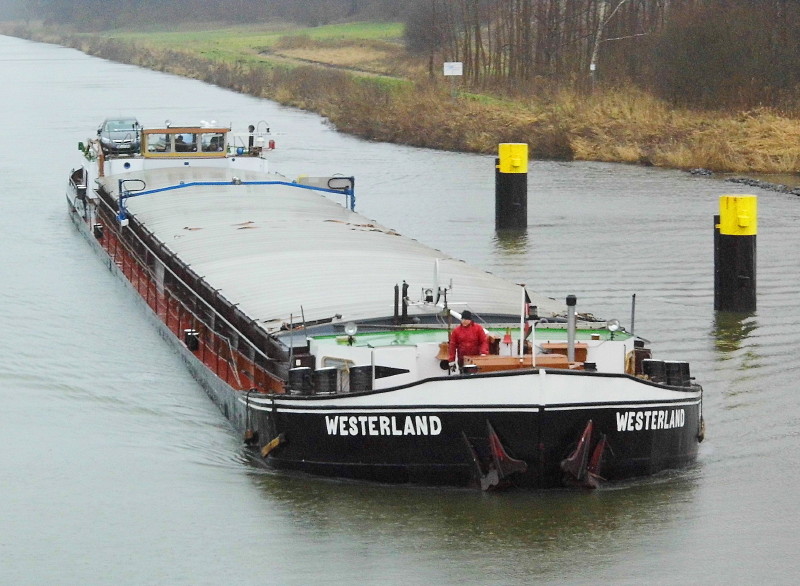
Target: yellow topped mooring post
735,231
511,187
513,157
738,215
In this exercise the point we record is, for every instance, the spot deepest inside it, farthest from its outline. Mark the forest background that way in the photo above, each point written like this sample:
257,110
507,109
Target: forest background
687,84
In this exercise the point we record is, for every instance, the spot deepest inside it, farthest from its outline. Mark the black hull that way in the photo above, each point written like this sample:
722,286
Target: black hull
542,440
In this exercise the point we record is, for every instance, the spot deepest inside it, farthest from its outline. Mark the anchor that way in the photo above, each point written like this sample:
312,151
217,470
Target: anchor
494,474
272,445
581,469
593,470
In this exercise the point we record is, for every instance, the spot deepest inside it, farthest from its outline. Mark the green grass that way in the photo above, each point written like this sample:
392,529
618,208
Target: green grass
227,40
246,43
247,38
374,31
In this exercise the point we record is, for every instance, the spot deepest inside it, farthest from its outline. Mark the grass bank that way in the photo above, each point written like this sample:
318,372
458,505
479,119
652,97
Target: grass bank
359,77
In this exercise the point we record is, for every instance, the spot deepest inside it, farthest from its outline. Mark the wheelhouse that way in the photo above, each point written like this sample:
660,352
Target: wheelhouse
185,141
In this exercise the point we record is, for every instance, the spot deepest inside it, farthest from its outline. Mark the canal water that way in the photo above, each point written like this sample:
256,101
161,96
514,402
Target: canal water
116,468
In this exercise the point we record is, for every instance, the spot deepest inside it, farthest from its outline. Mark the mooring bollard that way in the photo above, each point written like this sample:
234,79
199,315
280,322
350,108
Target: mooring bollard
735,253
511,187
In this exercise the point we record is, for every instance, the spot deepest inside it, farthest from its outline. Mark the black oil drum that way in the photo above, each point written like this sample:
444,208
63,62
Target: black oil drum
677,373
325,380
300,380
655,369
361,378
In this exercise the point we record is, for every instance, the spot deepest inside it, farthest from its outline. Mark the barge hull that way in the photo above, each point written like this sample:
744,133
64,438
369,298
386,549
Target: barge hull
496,426
541,436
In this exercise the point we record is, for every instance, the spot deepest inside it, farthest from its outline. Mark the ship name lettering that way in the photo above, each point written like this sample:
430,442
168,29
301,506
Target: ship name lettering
647,420
364,425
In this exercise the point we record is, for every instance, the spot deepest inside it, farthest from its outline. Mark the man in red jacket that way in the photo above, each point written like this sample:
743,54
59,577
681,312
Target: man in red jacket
468,339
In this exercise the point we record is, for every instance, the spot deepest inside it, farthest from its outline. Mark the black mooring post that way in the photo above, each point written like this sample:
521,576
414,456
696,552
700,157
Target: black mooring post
511,187
404,301
735,231
397,305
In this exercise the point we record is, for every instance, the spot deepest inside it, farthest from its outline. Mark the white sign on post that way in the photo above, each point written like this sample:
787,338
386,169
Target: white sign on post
453,68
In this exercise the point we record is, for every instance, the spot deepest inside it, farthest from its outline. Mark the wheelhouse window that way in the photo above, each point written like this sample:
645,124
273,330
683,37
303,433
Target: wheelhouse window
191,142
212,142
158,143
185,143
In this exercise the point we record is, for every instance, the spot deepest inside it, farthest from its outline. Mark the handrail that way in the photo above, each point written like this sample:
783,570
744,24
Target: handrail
125,194
216,313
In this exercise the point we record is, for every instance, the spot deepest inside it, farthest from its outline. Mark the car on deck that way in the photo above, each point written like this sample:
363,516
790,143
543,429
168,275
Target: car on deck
119,135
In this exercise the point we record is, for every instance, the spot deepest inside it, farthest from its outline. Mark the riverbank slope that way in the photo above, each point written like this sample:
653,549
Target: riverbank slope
363,81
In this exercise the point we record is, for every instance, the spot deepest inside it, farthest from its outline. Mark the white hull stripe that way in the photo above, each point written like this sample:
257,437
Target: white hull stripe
462,409
357,404
437,408
626,405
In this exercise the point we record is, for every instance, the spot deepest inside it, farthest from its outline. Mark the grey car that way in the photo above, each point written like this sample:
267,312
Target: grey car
119,135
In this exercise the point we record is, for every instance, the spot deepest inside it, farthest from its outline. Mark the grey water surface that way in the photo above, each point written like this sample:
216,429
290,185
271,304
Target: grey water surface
115,468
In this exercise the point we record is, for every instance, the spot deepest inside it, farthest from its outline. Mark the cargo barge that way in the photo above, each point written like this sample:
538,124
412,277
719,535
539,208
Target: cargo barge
324,336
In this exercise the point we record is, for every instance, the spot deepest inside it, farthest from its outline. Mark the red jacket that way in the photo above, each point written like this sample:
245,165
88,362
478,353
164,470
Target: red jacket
468,341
